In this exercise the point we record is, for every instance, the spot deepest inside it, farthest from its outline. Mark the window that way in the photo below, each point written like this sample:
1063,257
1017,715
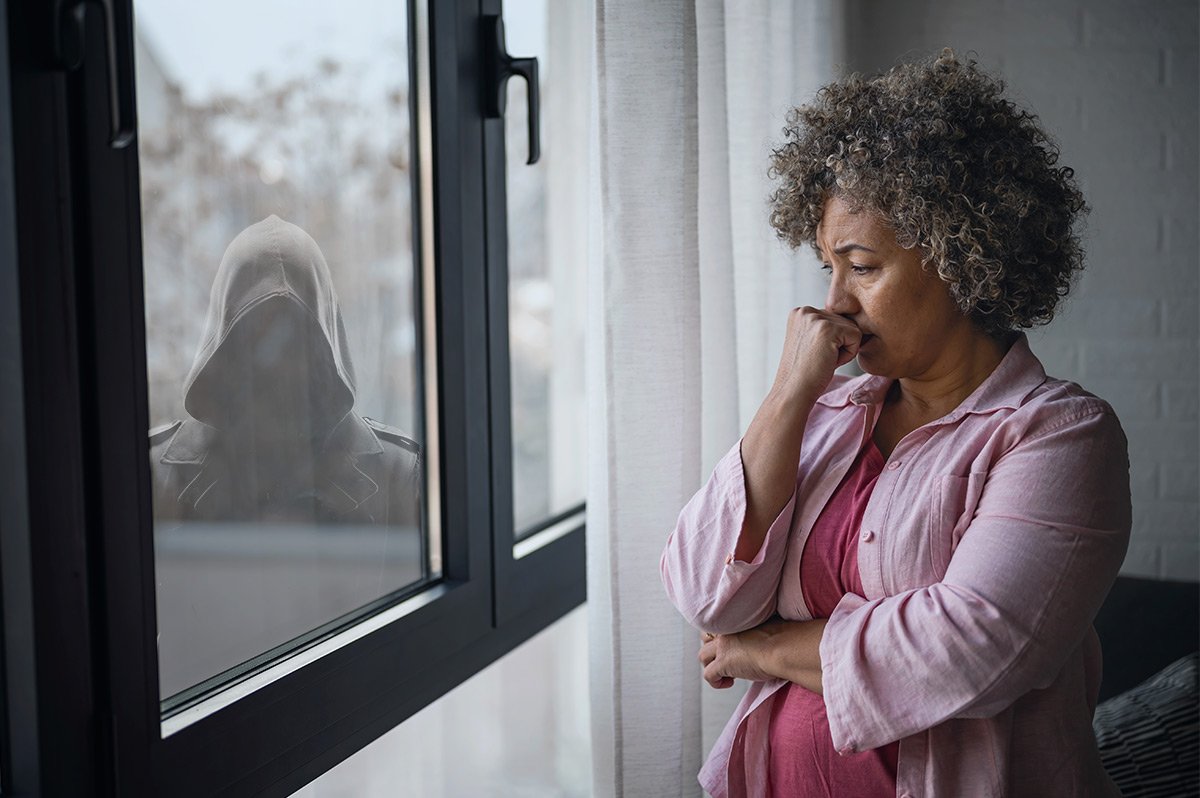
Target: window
303,375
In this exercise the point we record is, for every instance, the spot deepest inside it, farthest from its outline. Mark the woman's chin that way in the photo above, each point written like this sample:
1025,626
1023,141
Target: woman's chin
866,363
871,363
866,368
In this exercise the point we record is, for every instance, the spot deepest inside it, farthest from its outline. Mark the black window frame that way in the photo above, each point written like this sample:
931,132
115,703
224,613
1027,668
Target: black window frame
81,712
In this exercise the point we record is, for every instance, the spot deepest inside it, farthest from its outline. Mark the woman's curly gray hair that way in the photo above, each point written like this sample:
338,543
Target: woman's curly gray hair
955,168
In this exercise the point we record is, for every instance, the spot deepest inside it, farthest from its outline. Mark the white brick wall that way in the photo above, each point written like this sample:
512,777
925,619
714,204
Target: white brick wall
1116,84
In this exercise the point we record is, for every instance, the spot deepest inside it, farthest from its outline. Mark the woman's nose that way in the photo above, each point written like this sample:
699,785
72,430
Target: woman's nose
840,300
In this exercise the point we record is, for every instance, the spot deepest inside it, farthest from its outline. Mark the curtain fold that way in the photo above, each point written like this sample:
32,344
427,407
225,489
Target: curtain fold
646,394
688,293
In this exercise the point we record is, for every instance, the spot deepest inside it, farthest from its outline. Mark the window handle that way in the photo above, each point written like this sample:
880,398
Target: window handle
501,66
69,44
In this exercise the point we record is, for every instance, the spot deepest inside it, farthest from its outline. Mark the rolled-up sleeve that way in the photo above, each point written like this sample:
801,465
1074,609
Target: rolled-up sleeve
1020,593
711,589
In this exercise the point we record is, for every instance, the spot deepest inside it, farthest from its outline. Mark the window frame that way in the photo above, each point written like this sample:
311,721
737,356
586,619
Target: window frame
551,573
82,713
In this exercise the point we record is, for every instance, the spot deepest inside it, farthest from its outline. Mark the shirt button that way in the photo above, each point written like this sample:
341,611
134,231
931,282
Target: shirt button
892,466
847,751
729,559
867,536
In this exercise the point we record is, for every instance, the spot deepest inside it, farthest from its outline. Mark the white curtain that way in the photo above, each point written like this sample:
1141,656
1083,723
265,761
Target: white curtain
688,298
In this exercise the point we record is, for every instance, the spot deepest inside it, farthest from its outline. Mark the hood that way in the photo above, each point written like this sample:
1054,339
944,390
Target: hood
271,271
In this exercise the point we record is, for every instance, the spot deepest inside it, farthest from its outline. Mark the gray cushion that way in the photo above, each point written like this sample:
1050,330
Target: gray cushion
1149,737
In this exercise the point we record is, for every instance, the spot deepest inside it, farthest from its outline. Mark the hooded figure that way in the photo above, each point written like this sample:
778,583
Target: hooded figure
272,436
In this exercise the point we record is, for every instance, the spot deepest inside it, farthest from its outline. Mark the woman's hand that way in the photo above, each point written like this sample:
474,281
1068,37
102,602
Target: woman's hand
816,343
729,657
777,649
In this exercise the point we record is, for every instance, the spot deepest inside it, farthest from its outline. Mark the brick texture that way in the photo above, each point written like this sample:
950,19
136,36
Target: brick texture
1115,82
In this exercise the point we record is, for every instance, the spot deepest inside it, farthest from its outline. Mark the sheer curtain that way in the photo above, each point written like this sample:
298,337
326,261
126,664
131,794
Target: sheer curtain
688,298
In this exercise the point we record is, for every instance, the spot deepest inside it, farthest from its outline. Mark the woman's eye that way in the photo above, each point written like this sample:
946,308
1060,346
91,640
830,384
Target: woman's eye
855,269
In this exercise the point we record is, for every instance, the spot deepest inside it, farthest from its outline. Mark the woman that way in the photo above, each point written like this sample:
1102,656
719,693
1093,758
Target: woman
906,564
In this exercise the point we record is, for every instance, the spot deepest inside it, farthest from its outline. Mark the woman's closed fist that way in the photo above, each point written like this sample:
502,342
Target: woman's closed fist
816,343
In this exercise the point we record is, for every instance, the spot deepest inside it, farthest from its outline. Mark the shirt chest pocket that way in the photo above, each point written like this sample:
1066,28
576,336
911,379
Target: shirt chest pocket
954,502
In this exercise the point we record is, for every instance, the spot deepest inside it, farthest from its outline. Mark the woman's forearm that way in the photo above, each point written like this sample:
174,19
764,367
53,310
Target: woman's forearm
816,344
770,454
790,650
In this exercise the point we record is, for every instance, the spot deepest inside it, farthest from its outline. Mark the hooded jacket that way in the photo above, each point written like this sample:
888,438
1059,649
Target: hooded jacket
274,356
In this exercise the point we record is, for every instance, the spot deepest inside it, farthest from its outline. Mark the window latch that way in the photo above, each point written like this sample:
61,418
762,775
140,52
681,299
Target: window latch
501,66
70,35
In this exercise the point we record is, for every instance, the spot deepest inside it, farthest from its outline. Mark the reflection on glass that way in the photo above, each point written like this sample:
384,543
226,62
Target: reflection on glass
272,454
547,255
279,505
271,436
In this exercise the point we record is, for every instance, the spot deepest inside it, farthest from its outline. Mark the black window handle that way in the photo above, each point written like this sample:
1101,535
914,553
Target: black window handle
69,39
501,66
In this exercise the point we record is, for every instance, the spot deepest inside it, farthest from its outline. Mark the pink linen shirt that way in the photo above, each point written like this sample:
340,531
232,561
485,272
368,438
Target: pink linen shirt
989,543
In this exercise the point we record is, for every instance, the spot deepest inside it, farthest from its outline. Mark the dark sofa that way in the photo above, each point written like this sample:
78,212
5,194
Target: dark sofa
1148,722
1144,626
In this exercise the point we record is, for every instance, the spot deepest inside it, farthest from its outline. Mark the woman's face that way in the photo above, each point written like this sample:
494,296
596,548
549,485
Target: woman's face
909,321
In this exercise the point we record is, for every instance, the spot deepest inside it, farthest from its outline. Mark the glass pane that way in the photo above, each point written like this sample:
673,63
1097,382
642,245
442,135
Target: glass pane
283,321
547,257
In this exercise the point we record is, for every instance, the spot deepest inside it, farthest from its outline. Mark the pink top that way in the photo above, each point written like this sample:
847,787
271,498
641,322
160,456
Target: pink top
802,759
989,542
